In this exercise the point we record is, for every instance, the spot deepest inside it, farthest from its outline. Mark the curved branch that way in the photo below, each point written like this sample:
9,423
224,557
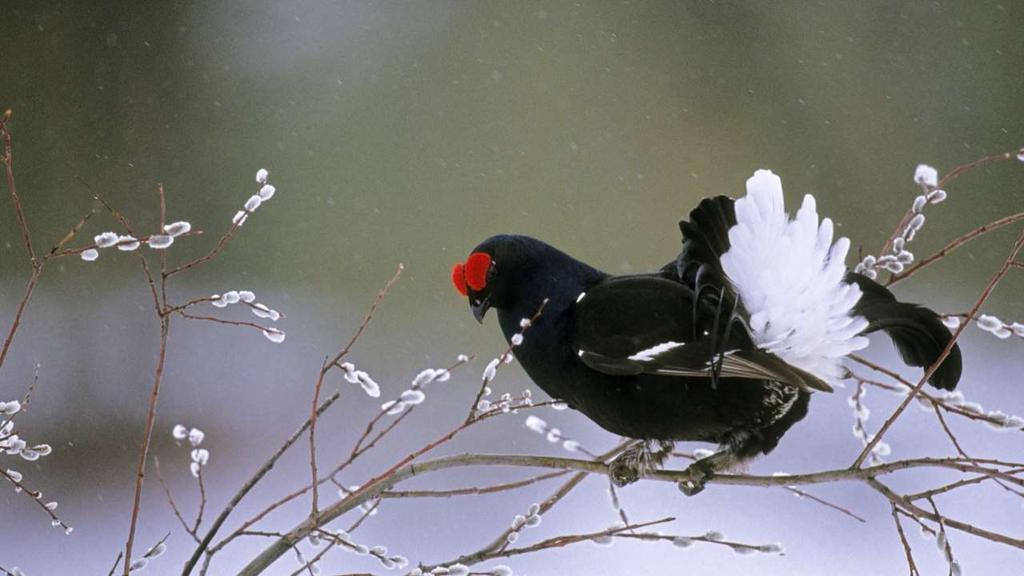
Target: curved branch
376,489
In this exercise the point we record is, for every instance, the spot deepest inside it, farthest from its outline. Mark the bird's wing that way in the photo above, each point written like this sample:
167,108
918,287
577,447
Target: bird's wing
705,239
648,325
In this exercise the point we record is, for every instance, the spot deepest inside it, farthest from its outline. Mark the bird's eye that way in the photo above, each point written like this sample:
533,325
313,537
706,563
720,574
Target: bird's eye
476,302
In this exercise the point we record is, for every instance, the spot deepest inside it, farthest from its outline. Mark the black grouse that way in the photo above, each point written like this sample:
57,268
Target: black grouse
724,344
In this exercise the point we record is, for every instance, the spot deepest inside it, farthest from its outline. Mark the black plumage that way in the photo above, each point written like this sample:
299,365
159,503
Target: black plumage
707,382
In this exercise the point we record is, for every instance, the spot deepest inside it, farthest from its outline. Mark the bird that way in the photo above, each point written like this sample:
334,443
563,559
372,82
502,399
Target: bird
724,344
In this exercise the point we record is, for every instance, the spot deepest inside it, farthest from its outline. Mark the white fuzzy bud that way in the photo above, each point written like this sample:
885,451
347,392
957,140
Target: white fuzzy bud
491,370
261,175
178,228
371,388
127,243
989,323
458,570
424,377
105,240
267,192
919,203
179,432
239,218
160,241
937,196
536,424
413,397
274,335
516,339
90,255
682,542
926,175
253,203
196,436
894,267
157,550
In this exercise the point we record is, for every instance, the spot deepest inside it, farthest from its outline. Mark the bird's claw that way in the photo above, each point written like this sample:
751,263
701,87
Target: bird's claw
698,474
622,473
636,461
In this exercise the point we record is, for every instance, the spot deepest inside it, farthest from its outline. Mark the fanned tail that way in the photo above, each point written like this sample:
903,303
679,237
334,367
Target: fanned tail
789,276
792,281
917,332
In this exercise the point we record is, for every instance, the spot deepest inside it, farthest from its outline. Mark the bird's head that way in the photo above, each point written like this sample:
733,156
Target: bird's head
499,272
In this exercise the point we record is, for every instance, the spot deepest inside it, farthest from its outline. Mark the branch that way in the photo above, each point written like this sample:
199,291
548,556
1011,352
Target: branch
385,482
248,486
957,243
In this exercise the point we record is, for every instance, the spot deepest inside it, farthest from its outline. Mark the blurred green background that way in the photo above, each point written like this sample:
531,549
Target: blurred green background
408,132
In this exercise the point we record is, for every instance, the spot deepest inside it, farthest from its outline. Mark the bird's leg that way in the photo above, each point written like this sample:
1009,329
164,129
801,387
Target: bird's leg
704,469
637,460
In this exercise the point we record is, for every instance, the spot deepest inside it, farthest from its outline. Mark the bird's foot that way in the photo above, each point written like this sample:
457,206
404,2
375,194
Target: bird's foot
637,460
698,474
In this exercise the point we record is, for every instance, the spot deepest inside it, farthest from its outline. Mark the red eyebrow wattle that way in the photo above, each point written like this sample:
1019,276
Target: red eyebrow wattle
477,266
459,279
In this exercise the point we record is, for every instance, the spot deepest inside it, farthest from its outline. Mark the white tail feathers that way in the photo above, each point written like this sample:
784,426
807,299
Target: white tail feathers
789,276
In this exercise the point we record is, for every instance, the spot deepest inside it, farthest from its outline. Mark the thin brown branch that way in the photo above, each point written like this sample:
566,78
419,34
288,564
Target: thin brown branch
946,405
170,500
953,245
383,482
965,527
903,540
267,466
825,503
245,323
147,436
320,381
474,490
22,304
485,380
8,160
942,184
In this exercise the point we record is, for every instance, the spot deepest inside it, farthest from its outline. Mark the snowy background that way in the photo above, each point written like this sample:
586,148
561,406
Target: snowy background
407,132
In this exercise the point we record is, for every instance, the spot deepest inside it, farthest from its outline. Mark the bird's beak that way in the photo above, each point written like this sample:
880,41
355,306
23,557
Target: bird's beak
480,310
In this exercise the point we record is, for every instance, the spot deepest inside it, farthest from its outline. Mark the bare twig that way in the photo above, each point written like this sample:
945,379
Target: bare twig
248,486
953,245
906,545
147,436
325,368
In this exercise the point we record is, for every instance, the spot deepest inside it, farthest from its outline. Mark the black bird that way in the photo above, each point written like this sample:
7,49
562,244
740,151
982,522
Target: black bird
723,344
